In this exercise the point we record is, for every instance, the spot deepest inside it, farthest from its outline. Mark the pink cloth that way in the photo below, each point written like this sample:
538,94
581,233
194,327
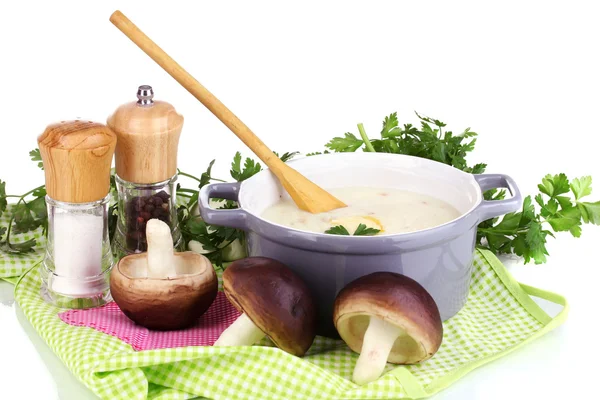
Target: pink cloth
110,320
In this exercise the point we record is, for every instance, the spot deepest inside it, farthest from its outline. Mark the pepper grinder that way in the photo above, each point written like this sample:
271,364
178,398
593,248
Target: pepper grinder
148,133
77,157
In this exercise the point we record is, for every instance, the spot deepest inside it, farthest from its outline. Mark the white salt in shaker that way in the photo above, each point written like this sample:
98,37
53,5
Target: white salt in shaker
77,157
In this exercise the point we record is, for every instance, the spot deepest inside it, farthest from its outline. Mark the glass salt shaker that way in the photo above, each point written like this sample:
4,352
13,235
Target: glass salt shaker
148,134
77,157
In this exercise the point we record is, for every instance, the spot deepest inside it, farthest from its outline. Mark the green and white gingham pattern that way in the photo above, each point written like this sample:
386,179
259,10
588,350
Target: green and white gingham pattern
498,318
15,265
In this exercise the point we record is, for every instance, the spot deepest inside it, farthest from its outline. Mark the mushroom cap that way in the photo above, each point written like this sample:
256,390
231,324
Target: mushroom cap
275,299
164,304
396,299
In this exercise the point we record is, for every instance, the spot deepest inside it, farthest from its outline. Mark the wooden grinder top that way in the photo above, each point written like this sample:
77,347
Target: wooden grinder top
77,157
148,137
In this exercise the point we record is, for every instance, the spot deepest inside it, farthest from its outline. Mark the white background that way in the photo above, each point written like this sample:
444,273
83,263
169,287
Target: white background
524,75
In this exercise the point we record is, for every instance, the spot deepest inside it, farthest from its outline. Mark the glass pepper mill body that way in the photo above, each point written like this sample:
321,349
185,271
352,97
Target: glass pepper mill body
138,203
76,268
148,133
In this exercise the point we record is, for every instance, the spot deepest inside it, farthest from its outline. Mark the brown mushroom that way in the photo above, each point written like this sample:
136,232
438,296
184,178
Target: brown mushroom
387,317
161,289
274,302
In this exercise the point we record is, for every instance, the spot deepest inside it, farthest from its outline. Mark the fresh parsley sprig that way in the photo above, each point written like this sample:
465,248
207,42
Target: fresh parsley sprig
27,214
524,233
561,209
361,230
431,141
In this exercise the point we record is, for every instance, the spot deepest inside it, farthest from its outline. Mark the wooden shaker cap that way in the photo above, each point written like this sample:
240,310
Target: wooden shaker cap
77,157
148,138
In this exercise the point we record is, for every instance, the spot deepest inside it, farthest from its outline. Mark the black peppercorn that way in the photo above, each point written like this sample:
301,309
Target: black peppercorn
139,210
163,195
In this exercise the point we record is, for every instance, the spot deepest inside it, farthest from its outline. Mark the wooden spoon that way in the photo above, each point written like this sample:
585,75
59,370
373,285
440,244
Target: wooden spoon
306,194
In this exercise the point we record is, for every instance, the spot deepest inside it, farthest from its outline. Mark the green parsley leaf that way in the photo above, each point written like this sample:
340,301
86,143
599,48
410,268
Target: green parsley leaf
548,209
496,240
528,213
437,123
206,176
390,126
23,219
565,220
494,194
17,248
338,230
236,168
362,230
509,222
564,201
581,187
251,168
287,155
348,143
554,185
36,156
535,240
576,231
590,212
477,168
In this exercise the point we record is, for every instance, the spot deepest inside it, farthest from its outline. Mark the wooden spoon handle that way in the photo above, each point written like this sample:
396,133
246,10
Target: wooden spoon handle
197,90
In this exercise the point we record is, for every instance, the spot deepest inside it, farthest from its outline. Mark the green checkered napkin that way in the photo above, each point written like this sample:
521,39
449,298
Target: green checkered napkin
13,266
499,317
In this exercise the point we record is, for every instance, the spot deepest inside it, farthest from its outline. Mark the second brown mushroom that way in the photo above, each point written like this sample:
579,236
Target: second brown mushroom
387,317
274,302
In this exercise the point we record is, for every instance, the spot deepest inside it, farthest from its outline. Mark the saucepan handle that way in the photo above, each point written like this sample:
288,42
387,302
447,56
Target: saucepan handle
235,218
494,208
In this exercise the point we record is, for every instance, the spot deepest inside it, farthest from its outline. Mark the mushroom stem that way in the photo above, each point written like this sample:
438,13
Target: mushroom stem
377,344
242,332
161,260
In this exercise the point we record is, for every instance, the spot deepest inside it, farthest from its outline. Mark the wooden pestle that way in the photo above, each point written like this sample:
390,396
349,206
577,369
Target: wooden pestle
306,194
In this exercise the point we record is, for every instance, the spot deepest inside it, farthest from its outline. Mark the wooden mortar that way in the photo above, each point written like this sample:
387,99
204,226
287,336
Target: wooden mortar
148,137
77,157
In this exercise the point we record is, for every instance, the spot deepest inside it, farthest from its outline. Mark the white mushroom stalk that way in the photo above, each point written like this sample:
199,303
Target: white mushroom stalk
160,256
378,341
242,332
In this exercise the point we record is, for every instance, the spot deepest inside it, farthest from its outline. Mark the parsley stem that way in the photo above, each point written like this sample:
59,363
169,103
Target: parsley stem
196,179
12,218
365,138
189,176
501,231
22,196
183,190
